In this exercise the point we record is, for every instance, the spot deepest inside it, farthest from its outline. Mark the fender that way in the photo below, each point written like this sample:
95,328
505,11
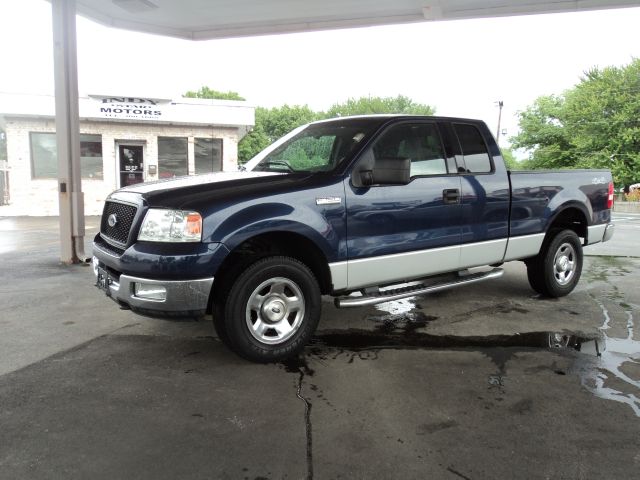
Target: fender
568,197
275,217
554,213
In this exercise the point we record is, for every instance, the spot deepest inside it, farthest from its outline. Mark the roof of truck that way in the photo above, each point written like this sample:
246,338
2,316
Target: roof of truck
392,116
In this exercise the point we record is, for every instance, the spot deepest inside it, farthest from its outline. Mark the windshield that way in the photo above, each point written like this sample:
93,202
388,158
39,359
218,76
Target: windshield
317,147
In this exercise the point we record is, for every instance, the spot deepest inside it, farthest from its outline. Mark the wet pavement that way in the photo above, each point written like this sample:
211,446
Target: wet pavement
486,381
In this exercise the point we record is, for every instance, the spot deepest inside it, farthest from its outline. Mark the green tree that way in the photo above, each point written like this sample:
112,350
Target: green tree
372,105
543,133
279,121
510,159
596,124
603,118
271,124
252,143
206,92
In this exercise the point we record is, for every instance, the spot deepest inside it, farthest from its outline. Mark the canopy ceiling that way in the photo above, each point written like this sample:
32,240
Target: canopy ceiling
208,19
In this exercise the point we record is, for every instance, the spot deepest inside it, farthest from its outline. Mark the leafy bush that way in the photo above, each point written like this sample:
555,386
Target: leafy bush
633,196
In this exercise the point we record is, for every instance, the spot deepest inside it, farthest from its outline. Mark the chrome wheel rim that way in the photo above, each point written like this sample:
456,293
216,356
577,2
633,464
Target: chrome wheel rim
275,311
564,264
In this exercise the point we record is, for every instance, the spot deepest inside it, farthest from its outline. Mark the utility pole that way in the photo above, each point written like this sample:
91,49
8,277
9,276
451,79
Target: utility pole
500,105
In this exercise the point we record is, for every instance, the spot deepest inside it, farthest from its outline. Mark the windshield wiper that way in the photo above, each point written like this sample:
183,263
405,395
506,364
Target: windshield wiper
280,163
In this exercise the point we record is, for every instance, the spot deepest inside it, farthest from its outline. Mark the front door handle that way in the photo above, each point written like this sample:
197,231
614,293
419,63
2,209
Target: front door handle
451,195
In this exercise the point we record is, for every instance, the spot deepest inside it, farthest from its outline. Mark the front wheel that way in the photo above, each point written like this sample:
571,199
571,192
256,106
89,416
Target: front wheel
556,270
272,309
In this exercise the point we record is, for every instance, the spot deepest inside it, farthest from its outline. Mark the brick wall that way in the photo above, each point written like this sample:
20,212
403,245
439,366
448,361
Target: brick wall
39,197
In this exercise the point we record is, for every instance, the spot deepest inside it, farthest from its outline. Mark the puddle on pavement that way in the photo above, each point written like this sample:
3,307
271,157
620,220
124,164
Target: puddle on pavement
406,336
400,325
601,375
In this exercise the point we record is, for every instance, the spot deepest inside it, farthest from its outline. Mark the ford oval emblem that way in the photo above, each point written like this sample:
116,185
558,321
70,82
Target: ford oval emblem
112,220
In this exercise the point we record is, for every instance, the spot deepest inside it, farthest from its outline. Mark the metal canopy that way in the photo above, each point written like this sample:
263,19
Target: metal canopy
208,19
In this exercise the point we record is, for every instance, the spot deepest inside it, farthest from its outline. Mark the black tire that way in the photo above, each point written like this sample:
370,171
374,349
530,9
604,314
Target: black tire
272,309
556,270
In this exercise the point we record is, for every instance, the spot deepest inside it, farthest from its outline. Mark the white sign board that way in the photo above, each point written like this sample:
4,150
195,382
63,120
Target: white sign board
130,108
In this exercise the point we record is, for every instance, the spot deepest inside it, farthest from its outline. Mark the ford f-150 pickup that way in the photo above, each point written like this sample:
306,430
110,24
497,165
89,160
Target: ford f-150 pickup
365,209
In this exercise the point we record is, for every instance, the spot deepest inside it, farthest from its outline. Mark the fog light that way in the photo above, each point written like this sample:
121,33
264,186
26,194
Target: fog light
94,263
150,292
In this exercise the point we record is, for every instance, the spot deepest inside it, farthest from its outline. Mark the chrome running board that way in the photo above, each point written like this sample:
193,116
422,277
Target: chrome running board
413,290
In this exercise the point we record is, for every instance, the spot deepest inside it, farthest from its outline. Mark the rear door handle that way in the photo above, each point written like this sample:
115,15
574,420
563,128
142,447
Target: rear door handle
451,195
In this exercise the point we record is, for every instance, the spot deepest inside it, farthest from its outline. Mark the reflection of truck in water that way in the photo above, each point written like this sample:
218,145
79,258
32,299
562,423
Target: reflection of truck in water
366,209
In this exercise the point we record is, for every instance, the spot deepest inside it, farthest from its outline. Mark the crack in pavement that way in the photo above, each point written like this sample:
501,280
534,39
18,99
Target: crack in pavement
299,365
307,421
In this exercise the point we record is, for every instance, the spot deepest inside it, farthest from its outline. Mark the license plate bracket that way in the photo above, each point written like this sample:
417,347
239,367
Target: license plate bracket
103,281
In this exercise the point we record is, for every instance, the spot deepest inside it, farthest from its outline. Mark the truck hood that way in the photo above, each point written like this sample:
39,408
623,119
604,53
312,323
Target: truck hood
209,192
192,180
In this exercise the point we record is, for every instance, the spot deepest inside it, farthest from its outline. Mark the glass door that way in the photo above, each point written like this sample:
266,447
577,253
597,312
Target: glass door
131,164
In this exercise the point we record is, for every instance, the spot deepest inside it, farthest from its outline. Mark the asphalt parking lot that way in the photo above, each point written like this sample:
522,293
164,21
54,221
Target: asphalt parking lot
482,382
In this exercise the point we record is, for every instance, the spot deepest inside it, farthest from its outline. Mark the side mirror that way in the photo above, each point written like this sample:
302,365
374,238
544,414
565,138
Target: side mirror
387,171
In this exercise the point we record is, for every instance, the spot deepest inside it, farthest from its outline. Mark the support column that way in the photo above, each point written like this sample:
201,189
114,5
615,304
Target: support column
70,196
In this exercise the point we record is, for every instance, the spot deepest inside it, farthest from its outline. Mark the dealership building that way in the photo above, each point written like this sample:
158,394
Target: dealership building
123,140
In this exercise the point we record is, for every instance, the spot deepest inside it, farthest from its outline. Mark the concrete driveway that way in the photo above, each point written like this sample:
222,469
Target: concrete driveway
488,381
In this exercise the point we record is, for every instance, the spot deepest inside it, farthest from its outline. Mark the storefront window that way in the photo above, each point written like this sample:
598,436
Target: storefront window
172,157
208,155
44,156
91,156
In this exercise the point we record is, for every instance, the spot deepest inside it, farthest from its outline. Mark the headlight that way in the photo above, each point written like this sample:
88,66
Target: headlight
171,226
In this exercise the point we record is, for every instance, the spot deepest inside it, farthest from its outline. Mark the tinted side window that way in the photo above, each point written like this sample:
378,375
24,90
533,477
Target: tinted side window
476,157
418,142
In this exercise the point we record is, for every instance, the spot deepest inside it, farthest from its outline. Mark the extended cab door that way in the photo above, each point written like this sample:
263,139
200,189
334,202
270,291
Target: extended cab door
485,195
402,232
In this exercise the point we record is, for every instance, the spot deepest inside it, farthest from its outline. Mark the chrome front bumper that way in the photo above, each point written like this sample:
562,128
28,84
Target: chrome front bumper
172,296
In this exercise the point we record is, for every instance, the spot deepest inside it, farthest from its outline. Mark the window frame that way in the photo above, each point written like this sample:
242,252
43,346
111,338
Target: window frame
32,156
461,149
56,175
101,157
195,157
186,139
437,127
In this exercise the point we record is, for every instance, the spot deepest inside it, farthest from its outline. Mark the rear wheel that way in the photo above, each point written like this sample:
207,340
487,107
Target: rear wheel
272,309
556,270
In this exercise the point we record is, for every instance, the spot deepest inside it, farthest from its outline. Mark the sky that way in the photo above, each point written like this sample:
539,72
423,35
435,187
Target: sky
462,68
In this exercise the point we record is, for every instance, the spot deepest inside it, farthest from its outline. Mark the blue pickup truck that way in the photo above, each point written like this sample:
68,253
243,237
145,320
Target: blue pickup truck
365,209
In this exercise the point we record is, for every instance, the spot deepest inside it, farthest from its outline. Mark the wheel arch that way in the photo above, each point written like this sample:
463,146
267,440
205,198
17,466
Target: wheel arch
273,243
571,216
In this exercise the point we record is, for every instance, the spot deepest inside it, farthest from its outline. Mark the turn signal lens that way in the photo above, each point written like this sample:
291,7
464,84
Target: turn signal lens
194,225
610,197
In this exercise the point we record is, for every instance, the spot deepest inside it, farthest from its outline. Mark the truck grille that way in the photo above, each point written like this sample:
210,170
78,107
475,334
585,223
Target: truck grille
124,215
